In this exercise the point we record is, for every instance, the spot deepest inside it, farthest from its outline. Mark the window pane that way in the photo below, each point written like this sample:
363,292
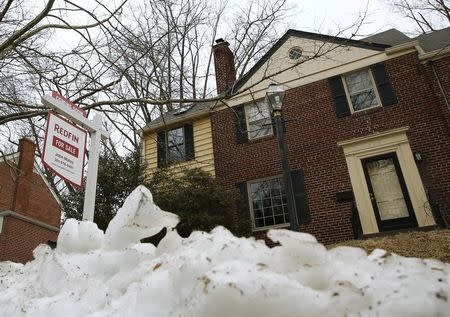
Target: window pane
361,90
175,145
175,136
259,121
279,219
259,222
175,154
269,203
364,100
269,221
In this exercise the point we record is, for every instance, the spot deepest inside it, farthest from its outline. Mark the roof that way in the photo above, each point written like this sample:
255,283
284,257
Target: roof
435,40
178,115
308,35
389,37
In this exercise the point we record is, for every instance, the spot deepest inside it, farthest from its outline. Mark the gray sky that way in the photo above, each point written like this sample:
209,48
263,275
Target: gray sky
327,15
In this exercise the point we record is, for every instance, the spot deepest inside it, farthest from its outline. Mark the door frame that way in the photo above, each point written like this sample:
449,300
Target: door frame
391,224
379,143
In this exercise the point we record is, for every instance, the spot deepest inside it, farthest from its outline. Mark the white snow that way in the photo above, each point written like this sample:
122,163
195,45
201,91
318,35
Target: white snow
213,274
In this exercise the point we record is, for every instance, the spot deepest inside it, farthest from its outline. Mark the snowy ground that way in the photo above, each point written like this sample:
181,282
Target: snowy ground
92,273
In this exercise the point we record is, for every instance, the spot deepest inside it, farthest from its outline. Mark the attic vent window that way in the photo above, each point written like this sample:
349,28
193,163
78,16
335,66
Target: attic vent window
295,53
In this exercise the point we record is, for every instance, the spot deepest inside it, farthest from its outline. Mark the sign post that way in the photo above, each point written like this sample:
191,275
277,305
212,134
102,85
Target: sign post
61,141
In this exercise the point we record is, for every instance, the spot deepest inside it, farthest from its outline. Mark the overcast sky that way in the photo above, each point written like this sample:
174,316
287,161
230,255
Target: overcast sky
327,15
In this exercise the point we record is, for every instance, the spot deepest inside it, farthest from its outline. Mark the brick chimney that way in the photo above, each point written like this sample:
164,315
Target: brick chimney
25,173
224,65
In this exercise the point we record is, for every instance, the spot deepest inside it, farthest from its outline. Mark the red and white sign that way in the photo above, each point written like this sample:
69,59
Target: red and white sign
69,103
64,149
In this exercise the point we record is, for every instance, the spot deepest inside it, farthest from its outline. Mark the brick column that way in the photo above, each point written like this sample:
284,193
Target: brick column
21,197
224,66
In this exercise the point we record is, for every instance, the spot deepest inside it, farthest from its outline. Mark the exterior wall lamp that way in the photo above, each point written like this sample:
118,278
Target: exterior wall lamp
274,98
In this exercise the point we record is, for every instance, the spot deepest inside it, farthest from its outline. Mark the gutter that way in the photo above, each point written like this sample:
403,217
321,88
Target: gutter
173,121
16,215
441,89
411,45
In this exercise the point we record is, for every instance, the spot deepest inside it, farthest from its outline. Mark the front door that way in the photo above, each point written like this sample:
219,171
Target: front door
388,193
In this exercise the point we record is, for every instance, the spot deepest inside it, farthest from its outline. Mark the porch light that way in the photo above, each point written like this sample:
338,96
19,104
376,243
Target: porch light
274,97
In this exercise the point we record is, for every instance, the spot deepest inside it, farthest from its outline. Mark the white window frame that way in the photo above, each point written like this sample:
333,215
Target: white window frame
250,204
247,121
347,93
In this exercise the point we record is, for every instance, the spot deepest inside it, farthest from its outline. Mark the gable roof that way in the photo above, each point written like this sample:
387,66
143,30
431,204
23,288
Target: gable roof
435,40
311,36
390,37
178,115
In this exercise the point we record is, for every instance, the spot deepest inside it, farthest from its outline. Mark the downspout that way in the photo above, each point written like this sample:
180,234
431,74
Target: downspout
439,84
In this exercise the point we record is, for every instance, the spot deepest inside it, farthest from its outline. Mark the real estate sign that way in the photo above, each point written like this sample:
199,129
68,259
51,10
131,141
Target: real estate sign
68,104
64,149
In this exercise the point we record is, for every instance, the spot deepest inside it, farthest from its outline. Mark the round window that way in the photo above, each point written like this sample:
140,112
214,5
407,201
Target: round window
295,53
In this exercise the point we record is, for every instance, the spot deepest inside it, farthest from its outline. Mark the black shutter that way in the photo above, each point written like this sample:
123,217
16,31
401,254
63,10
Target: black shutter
300,197
339,96
161,147
240,124
189,142
244,210
385,90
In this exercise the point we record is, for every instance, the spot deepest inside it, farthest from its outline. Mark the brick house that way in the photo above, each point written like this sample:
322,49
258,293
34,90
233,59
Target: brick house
30,212
366,126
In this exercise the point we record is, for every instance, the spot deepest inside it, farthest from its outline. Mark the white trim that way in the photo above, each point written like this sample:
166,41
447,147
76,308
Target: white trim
401,48
374,87
250,205
247,121
1,224
434,55
391,141
16,215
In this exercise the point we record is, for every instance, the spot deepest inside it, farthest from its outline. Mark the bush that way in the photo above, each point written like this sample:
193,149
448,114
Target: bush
117,178
195,196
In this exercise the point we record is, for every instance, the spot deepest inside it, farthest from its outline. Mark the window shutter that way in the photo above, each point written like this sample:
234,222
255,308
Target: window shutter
339,96
240,124
161,148
244,211
300,197
189,141
385,90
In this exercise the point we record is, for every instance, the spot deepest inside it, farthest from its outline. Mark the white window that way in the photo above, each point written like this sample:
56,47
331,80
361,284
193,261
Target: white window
361,92
259,122
268,203
175,145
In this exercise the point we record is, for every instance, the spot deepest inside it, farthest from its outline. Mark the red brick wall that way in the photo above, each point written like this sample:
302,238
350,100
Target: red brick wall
7,178
19,238
312,134
42,205
25,192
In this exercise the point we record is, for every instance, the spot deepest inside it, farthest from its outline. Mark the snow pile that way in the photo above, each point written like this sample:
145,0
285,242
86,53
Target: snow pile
213,274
